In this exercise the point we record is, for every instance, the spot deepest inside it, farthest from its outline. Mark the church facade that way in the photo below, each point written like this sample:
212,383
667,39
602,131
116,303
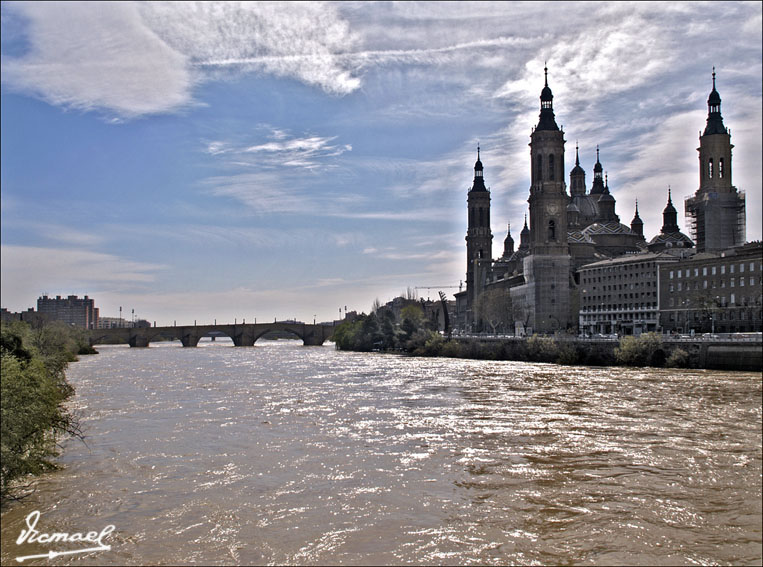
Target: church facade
568,231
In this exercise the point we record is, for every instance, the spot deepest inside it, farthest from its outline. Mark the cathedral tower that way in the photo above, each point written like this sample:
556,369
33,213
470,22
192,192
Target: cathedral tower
543,301
548,193
716,213
479,238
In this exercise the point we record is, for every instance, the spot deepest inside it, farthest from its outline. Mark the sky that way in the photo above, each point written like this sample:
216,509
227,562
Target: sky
202,161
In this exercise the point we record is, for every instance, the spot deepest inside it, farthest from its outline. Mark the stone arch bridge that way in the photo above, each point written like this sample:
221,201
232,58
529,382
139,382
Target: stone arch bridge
242,334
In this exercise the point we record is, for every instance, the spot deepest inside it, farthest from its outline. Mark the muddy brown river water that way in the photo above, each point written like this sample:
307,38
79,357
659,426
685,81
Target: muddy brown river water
284,454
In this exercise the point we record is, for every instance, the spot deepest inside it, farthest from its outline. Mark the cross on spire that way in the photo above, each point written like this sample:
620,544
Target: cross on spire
545,70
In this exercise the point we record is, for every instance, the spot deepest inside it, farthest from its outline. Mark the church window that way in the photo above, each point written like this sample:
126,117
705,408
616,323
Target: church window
551,230
540,168
551,167
720,168
482,217
710,168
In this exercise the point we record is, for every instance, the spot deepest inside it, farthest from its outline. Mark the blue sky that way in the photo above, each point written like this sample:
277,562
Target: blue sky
201,161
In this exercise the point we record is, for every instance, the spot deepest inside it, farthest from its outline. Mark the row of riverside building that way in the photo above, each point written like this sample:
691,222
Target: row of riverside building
71,310
578,269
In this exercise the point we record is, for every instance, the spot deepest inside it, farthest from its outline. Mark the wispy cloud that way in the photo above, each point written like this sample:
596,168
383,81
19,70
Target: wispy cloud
37,269
138,58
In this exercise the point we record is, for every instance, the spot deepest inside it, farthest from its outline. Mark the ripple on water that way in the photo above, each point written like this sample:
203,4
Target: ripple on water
286,454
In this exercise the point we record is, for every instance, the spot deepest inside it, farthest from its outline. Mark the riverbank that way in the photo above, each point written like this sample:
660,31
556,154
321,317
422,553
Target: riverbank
646,350
33,392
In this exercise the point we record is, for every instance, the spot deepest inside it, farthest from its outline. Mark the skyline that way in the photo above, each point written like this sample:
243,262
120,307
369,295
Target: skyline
221,161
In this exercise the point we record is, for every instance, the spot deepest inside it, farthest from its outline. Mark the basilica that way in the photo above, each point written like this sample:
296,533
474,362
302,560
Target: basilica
569,231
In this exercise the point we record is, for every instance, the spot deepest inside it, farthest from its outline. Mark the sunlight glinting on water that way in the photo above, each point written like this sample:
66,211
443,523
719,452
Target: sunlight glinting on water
286,454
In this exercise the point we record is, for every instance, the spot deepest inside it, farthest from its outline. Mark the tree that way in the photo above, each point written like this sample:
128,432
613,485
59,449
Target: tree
494,307
33,389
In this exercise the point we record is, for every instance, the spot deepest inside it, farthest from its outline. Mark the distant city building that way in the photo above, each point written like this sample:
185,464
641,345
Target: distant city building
621,295
113,323
29,316
718,292
71,310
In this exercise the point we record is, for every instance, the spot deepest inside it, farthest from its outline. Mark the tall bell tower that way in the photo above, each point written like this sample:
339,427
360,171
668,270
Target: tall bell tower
548,191
716,212
545,297
479,238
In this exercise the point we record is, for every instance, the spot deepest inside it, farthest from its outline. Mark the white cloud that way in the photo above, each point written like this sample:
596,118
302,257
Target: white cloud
137,58
98,56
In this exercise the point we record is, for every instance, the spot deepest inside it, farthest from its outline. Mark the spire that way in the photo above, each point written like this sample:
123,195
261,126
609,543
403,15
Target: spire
714,118
479,181
577,175
598,179
524,236
669,217
508,243
637,225
546,121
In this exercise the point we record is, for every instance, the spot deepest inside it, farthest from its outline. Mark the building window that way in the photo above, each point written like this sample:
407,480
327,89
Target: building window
551,167
732,299
731,268
540,168
704,284
696,272
723,269
704,271
741,282
752,266
710,168
551,230
720,168
741,268
713,269
671,274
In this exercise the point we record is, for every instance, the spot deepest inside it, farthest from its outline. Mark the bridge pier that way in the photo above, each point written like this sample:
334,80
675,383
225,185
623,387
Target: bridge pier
189,340
138,341
313,336
243,340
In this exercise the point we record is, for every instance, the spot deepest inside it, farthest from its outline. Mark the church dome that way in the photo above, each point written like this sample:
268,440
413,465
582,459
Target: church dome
572,208
578,237
609,227
670,240
587,205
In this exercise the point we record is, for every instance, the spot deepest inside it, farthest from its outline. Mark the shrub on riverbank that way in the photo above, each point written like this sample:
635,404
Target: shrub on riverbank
33,389
644,350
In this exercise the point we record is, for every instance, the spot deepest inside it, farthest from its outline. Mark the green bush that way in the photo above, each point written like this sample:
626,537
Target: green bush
645,350
678,358
33,389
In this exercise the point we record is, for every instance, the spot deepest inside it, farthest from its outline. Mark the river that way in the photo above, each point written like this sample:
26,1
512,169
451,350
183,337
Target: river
284,454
